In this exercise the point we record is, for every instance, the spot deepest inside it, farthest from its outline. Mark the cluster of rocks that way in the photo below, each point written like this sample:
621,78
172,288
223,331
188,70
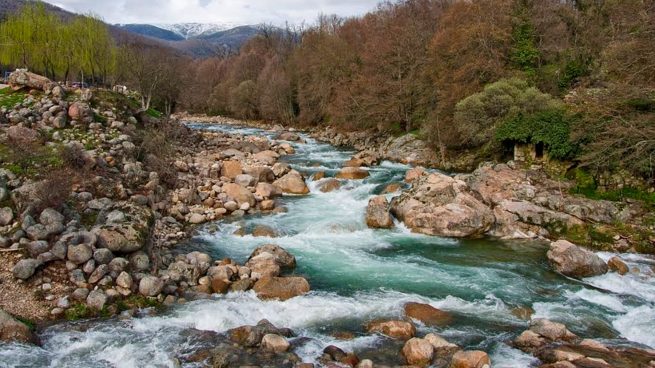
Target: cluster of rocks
406,149
265,344
557,347
499,201
113,238
233,175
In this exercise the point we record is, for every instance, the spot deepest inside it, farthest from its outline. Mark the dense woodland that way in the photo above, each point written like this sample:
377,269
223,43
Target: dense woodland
468,76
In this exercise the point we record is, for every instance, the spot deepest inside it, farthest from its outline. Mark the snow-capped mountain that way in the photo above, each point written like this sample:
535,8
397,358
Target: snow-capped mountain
193,30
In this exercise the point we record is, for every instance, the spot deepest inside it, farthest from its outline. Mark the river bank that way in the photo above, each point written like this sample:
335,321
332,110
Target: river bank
379,296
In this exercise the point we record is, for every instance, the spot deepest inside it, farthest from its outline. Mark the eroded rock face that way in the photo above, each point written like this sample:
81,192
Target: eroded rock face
442,206
377,213
571,260
13,330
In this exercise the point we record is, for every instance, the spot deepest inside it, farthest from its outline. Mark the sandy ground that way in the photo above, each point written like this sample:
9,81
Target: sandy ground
3,86
24,298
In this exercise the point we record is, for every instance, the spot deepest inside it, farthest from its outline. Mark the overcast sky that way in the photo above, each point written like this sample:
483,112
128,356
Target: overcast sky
215,11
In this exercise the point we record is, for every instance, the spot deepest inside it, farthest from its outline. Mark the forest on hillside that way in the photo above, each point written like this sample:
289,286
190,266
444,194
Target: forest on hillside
467,76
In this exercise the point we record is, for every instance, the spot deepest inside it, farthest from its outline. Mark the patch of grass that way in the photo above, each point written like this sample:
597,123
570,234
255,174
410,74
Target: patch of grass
618,195
99,119
79,311
601,237
30,160
89,219
9,98
137,301
27,322
154,113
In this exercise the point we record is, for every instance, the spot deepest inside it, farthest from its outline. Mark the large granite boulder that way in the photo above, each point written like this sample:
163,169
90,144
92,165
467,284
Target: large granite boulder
377,213
292,183
281,288
571,260
440,205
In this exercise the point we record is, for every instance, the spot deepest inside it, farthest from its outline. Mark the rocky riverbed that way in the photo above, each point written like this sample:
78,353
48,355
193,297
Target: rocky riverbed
254,247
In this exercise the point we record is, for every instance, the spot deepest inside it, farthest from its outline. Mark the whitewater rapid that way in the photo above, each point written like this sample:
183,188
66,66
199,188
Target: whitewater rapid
358,274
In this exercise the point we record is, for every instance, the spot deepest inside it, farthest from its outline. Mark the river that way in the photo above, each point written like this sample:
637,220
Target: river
358,274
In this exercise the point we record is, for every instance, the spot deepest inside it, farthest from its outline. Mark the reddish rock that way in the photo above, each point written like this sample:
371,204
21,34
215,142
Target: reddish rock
617,265
282,288
571,260
418,352
352,173
377,213
329,185
231,169
397,329
470,359
427,314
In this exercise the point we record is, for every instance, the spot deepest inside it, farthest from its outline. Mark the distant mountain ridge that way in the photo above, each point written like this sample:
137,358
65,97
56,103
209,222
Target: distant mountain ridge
194,30
198,39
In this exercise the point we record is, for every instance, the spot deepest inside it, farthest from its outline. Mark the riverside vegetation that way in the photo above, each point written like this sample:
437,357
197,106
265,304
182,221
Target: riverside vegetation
188,240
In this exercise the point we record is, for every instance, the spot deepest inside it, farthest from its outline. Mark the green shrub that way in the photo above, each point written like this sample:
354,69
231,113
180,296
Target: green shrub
550,127
478,116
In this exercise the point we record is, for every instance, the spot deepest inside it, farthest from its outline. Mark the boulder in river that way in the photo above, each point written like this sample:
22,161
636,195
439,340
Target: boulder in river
282,288
443,206
13,330
377,213
427,314
470,359
275,343
239,193
571,260
352,173
281,256
418,352
397,329
292,183
617,265
329,185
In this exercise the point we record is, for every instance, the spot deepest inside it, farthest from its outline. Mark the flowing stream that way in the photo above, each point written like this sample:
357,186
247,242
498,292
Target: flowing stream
358,274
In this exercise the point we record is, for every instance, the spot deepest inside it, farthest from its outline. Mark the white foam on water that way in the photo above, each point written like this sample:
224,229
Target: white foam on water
596,297
312,350
504,356
313,310
636,285
491,307
638,325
